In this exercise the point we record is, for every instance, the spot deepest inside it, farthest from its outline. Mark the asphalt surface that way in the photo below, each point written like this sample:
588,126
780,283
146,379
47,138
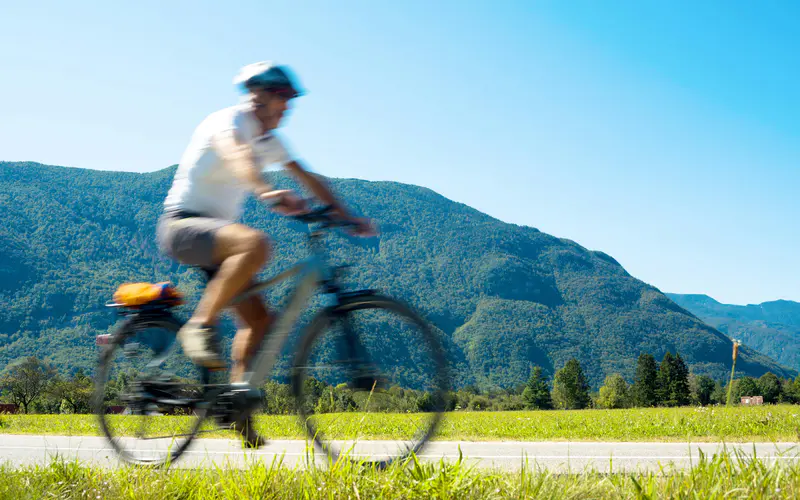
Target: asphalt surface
510,455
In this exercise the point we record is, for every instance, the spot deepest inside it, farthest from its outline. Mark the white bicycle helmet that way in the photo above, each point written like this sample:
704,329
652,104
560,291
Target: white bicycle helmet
268,76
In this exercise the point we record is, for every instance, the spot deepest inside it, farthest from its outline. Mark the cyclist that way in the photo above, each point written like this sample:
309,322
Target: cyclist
223,162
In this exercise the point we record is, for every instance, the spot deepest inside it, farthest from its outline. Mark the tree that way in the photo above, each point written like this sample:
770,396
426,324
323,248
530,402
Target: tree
278,398
426,403
663,380
673,381
26,380
745,386
796,388
478,403
680,384
570,389
770,387
643,390
313,391
74,393
471,389
702,389
720,394
613,393
462,399
117,386
789,392
537,393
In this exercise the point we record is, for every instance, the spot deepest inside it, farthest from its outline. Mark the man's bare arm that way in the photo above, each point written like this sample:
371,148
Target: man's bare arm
317,186
239,158
363,227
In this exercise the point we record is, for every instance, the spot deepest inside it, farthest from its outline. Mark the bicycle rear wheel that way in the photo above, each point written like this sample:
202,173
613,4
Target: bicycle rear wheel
370,380
148,395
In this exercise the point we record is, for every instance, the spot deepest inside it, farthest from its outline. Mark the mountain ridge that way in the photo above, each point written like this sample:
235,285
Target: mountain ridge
504,296
771,327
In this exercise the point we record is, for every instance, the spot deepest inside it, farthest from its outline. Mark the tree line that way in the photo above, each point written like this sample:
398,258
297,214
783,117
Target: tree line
36,387
667,384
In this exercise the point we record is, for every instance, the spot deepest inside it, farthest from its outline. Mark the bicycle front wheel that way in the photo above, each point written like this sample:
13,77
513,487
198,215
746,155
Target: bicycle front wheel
370,380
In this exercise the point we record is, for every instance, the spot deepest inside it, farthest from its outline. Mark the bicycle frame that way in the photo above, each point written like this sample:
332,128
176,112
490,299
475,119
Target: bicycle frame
312,272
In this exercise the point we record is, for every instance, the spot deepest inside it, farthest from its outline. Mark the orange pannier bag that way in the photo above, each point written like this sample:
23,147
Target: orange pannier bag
139,294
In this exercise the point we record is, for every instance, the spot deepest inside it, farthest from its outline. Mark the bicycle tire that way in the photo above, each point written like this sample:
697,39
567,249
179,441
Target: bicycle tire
320,326
129,328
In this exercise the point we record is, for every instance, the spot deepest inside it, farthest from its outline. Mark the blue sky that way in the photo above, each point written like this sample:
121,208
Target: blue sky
666,134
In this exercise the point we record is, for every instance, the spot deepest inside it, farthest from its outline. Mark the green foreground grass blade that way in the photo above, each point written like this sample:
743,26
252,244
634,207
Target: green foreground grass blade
716,477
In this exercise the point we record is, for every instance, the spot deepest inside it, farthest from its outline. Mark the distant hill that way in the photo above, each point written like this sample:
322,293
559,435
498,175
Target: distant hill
505,296
772,328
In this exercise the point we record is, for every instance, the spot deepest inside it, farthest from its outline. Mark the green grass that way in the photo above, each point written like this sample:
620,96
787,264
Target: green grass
719,477
759,423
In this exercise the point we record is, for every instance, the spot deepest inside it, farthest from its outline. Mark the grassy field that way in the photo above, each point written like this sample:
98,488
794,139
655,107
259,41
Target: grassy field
758,423
716,477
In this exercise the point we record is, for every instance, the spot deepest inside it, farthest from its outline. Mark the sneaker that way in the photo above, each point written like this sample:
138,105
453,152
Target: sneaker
250,438
201,344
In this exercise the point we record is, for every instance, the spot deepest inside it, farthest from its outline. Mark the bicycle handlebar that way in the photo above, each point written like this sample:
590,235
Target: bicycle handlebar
323,215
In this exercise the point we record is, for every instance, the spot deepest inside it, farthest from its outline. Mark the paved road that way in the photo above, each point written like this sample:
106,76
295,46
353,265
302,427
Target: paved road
557,456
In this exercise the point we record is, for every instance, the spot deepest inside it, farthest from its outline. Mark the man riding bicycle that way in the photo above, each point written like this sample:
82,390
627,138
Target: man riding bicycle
221,165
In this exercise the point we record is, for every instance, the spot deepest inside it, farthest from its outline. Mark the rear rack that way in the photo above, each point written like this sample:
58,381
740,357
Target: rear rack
156,304
153,308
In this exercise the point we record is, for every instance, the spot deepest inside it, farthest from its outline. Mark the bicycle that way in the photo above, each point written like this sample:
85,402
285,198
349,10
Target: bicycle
152,379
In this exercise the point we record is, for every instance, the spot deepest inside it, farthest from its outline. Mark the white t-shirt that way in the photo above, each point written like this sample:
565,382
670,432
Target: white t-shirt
203,183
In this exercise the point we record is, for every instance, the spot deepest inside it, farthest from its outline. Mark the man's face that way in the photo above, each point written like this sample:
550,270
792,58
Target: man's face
270,107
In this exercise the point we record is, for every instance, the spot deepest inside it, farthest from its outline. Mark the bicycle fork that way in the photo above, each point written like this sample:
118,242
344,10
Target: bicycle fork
363,373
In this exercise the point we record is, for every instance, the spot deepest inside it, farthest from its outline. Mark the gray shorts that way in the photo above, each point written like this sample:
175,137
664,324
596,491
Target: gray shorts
189,238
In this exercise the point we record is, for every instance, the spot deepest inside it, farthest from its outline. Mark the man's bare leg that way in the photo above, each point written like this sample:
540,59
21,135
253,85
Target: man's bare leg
242,252
255,320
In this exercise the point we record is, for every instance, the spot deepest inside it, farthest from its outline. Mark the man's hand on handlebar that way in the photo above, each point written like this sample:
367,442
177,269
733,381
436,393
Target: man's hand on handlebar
357,226
285,202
